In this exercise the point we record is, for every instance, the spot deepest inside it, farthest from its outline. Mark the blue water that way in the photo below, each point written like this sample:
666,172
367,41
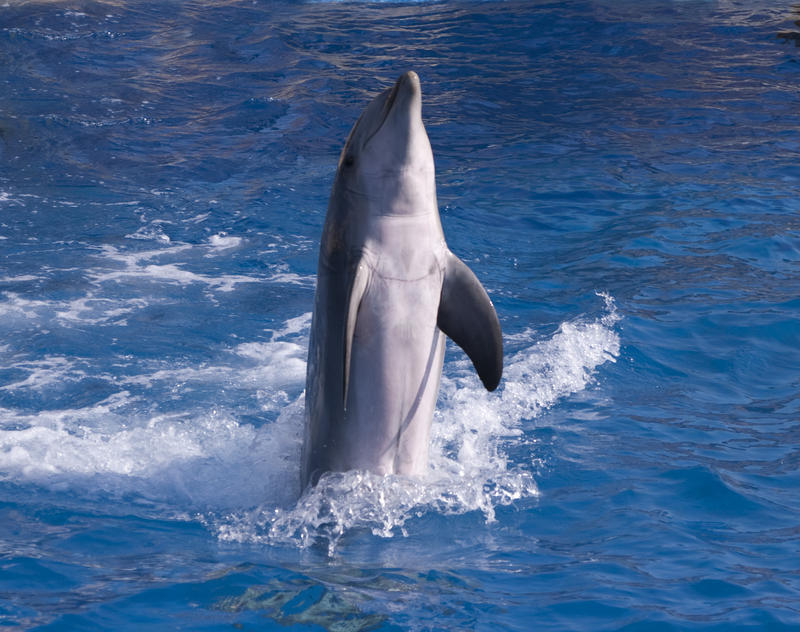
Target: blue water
624,177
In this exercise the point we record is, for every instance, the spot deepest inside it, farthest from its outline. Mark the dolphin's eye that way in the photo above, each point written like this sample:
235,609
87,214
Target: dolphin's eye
349,160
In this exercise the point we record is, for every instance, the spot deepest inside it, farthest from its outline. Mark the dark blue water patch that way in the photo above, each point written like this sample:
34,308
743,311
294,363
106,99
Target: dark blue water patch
706,495
88,560
246,595
27,573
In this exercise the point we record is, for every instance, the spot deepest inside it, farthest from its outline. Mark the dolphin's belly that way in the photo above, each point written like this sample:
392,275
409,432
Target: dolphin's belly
396,364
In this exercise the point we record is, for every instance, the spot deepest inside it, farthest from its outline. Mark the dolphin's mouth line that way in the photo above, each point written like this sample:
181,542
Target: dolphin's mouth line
387,106
392,98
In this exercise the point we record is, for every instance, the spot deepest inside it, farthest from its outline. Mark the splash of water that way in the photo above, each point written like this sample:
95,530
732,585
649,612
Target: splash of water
469,469
208,462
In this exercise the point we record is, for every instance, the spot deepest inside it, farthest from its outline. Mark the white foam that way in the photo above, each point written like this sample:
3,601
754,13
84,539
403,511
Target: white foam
244,478
150,233
298,325
97,307
5,196
197,219
100,311
271,367
132,259
137,267
15,306
469,469
85,310
279,364
290,278
145,265
45,372
224,241
190,461
22,278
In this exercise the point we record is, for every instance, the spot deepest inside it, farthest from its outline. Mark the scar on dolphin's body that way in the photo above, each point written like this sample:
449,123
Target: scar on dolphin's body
387,288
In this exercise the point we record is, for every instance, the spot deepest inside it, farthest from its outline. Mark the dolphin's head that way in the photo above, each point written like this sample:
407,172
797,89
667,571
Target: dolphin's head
387,162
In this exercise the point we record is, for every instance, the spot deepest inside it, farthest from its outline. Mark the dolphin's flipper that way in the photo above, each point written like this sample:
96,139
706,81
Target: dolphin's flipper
467,316
357,289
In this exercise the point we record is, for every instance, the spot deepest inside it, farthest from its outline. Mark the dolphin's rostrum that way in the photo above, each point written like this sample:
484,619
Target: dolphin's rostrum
387,287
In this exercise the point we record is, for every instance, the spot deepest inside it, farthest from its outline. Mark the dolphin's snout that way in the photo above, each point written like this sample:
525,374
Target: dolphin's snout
405,98
406,90
409,83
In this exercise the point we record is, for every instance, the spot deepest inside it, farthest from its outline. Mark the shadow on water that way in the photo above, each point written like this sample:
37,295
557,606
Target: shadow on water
303,601
347,598
792,36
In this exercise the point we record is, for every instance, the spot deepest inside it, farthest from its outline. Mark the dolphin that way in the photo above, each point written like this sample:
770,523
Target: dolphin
388,288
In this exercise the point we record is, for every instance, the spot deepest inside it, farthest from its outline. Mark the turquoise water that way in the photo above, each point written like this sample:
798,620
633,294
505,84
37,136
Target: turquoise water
623,177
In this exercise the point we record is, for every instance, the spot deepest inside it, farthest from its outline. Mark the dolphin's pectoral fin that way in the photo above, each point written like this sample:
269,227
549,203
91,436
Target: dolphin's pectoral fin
467,316
357,289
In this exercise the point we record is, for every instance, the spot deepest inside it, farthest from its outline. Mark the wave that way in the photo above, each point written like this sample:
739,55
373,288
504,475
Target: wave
469,467
242,479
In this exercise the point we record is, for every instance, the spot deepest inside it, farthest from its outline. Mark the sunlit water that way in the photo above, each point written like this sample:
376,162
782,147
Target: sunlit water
623,177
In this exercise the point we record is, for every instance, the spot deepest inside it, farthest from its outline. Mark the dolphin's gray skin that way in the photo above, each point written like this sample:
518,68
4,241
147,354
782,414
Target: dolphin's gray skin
387,287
